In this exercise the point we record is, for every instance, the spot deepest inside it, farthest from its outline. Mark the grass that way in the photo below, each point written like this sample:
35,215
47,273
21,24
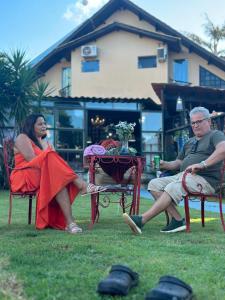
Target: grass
50,264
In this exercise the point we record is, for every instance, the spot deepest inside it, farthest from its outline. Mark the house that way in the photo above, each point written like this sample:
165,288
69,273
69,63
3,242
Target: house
110,68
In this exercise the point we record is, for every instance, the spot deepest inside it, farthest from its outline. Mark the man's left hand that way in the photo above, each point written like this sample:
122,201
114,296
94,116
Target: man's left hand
193,169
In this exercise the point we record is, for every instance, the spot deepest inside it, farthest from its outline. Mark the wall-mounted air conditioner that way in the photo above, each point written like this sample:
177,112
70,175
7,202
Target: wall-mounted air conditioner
162,54
89,51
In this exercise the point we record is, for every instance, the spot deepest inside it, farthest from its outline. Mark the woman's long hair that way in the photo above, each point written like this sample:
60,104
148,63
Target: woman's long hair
28,128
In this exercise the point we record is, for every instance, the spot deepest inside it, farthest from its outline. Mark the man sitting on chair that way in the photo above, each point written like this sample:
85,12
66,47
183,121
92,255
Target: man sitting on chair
202,154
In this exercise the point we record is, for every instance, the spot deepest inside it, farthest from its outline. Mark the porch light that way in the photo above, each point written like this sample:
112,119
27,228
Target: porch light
97,121
179,104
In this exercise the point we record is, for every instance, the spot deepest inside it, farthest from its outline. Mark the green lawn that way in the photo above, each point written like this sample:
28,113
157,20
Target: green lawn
52,264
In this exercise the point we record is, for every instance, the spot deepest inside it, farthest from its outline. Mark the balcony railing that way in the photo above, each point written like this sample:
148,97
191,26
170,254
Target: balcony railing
66,91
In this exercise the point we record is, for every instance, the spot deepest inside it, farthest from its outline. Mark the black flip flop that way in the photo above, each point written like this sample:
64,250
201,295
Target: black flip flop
170,288
119,281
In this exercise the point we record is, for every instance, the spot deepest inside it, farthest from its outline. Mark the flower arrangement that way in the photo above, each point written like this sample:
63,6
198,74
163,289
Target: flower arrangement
124,130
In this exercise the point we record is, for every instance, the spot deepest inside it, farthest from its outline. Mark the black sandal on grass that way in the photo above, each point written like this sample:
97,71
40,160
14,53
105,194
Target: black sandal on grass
119,281
170,288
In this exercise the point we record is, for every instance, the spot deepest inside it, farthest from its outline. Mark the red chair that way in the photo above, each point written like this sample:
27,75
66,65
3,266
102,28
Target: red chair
9,163
218,196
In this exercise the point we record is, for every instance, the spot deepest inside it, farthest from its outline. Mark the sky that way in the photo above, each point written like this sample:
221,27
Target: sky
35,25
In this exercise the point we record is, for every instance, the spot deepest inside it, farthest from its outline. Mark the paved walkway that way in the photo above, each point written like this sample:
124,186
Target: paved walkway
209,206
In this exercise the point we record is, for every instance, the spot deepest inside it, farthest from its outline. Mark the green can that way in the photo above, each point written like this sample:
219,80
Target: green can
157,162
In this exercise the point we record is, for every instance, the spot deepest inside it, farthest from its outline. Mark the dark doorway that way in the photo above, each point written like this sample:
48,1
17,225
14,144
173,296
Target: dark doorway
102,130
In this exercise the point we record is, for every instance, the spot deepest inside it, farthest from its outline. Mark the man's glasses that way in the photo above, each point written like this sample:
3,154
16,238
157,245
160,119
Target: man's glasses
198,122
194,147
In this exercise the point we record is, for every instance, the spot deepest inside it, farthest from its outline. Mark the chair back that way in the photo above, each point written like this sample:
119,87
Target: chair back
8,157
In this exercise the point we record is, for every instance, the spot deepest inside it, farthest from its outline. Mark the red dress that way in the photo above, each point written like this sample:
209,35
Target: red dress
47,173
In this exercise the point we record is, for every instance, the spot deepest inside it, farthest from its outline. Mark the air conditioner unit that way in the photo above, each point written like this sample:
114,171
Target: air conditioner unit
162,54
89,51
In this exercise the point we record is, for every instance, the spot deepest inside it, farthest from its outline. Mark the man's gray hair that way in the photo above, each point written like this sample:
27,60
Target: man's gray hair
200,109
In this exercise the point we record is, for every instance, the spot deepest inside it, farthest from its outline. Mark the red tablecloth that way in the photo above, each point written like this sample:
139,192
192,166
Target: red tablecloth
116,166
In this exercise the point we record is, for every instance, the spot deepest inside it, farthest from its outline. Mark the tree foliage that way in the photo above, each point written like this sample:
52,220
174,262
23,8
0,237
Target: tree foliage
215,35
19,88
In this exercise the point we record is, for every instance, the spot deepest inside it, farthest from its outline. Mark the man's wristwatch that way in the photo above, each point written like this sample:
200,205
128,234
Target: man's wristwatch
204,164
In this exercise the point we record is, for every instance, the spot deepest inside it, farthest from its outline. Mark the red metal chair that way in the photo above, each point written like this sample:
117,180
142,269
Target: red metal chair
218,196
9,163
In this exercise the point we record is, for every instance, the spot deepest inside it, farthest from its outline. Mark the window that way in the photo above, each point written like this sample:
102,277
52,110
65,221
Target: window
51,136
90,66
151,121
147,62
70,119
209,79
69,133
152,141
180,70
69,139
151,136
66,82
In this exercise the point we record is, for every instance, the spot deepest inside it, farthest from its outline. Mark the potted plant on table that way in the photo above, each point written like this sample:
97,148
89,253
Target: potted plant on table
124,132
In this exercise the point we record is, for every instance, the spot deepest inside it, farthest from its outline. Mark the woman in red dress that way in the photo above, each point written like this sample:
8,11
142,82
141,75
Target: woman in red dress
39,168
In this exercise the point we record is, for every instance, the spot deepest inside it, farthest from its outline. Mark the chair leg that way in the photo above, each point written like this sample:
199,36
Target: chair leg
10,208
97,213
187,213
203,211
221,212
122,202
30,210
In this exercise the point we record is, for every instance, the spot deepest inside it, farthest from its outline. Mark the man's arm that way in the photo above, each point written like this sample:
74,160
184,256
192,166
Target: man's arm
170,165
216,156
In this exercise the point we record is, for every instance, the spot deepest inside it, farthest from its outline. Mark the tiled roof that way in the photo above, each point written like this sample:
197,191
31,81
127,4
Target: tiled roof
147,101
108,9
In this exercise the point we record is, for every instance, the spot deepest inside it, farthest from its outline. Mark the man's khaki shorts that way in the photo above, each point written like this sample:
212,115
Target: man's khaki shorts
173,185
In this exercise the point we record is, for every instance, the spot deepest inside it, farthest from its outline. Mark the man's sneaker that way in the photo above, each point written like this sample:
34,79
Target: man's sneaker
135,222
174,226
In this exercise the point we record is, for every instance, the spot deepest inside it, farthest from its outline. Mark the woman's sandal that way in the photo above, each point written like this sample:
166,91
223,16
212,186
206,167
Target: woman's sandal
94,189
73,228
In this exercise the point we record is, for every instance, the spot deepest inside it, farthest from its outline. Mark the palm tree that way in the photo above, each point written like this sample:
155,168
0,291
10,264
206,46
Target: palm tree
215,35
40,91
23,77
5,78
19,88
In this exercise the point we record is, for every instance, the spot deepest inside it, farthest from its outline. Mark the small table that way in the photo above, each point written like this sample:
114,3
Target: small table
116,166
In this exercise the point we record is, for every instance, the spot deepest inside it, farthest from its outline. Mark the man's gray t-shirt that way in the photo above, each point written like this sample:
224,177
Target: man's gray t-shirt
194,151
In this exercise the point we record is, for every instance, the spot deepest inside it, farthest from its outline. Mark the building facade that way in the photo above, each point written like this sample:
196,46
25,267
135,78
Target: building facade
104,71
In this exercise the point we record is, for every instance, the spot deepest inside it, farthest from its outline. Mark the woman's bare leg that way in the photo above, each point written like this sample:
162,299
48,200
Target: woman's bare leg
64,202
82,186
